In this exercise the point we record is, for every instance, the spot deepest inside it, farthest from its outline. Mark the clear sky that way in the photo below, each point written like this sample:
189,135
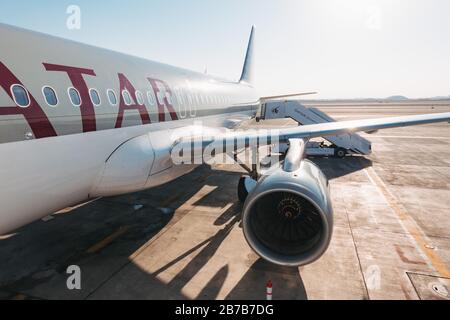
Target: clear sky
341,48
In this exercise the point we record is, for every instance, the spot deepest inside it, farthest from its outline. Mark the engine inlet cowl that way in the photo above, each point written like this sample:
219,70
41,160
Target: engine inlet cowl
288,218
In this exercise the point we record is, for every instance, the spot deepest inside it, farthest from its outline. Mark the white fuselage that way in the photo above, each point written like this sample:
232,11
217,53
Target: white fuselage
54,156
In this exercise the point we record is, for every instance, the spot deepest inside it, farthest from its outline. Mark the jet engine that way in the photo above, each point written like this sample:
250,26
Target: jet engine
287,216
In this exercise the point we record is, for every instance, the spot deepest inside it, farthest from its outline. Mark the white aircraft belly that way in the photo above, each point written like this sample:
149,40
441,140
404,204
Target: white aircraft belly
43,176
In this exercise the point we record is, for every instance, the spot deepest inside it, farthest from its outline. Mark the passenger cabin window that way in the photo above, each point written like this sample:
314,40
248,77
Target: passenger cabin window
169,98
50,96
180,99
74,96
112,97
95,97
20,95
126,97
139,98
151,98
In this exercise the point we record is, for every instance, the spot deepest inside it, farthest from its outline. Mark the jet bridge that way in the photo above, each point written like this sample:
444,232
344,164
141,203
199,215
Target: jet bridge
340,146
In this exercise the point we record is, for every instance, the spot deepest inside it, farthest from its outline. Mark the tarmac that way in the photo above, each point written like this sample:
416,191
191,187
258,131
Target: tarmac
183,240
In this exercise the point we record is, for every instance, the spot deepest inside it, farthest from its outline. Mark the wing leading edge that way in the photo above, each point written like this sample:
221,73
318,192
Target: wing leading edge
342,127
266,137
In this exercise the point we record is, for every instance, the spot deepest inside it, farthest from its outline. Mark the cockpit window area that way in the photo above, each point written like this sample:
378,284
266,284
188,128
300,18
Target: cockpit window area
20,96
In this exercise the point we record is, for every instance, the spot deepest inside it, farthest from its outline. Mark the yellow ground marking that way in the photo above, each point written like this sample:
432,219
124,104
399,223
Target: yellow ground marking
410,225
7,236
103,243
70,209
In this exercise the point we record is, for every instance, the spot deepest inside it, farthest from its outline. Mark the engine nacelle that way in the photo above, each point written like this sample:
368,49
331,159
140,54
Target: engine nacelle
288,217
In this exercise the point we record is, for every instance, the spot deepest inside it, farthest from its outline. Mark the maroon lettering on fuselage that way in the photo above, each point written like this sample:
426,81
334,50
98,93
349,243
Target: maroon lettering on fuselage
125,84
165,103
43,128
76,77
33,114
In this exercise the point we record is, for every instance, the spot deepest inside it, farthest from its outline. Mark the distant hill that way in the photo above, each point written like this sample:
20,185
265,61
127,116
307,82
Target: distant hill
397,98
391,99
440,98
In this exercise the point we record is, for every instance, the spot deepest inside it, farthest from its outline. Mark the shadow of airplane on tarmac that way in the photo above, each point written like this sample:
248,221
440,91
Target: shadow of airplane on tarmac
34,260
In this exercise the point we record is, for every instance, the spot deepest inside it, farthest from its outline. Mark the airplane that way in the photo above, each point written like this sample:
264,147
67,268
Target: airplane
79,122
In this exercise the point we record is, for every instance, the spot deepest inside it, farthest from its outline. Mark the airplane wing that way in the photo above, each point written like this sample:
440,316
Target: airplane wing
270,136
342,127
